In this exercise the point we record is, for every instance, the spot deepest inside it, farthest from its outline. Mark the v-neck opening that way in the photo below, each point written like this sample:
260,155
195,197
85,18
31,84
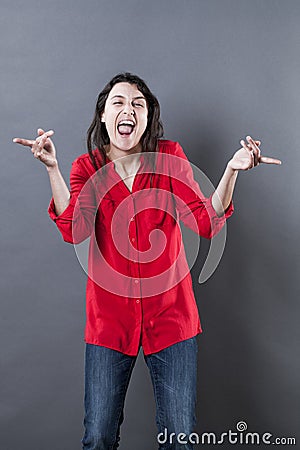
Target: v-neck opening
122,179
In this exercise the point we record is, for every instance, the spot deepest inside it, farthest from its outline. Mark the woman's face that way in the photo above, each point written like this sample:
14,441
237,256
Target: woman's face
125,116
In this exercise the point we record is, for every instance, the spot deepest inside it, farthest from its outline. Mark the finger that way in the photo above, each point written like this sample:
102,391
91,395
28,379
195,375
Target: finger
31,142
267,160
40,145
26,142
42,133
42,139
244,145
250,153
255,148
49,133
252,142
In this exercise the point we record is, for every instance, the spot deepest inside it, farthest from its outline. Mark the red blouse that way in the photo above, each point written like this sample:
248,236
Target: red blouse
139,288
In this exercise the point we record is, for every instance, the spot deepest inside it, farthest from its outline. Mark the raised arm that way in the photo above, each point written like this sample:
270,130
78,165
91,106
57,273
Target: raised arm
43,149
246,158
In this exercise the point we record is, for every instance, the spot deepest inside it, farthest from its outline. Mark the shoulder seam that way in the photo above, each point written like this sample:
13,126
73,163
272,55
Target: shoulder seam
81,157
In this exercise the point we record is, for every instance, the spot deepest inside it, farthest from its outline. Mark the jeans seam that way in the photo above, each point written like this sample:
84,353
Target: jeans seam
123,402
156,393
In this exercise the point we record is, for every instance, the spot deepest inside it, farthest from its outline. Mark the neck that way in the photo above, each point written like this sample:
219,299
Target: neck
128,164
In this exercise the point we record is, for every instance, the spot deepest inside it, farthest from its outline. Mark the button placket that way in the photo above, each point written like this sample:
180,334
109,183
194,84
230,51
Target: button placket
133,238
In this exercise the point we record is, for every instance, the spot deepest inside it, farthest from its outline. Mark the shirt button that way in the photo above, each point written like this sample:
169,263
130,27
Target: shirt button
133,239
137,301
136,281
132,219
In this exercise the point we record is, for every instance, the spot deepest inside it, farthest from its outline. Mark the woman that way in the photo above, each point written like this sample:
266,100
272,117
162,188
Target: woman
128,194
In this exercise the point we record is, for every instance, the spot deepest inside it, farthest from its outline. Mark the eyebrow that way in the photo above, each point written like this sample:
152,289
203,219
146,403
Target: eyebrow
135,98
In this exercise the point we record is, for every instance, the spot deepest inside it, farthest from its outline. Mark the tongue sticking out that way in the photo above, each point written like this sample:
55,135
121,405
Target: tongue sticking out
125,129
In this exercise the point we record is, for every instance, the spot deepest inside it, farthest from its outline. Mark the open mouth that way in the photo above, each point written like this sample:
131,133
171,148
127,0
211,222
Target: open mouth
126,127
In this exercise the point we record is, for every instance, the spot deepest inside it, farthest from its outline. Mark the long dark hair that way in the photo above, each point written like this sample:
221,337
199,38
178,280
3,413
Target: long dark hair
97,136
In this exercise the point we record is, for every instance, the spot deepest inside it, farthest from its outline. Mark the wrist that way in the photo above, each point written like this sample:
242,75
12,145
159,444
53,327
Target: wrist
53,168
230,167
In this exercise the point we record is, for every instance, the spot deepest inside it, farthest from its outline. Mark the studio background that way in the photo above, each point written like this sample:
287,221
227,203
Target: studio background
221,69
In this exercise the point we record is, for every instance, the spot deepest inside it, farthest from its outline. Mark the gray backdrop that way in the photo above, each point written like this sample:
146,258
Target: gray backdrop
221,69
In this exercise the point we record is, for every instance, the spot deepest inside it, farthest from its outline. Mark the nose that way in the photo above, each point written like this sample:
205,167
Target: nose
128,109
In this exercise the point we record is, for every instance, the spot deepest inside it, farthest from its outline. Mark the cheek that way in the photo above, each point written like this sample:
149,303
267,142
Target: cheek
110,123
145,122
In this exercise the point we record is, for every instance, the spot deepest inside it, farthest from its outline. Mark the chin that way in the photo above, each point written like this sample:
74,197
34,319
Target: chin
129,147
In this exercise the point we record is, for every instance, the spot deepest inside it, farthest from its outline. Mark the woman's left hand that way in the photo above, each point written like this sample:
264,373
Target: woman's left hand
249,156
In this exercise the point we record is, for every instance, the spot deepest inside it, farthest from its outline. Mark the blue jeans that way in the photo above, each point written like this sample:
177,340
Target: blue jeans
107,374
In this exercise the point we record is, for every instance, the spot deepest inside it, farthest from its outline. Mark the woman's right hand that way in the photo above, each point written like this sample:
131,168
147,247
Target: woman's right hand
42,147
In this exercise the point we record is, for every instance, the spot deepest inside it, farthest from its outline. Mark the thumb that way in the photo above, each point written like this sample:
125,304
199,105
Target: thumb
40,131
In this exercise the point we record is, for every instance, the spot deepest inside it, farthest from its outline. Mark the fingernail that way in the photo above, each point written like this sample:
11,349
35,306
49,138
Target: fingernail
14,139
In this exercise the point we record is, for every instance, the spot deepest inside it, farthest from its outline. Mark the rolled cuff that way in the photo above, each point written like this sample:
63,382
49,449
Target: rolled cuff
217,222
212,212
67,214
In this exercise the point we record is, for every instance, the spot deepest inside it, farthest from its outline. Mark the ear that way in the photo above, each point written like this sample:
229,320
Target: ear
102,118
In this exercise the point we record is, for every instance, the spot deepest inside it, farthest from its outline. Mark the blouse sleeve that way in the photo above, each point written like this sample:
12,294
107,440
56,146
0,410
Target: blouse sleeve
194,209
76,222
